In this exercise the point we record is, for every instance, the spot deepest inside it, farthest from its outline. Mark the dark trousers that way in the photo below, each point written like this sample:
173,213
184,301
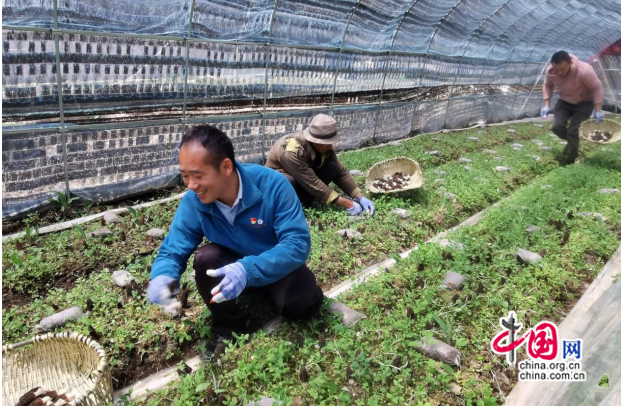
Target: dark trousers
578,113
326,174
297,295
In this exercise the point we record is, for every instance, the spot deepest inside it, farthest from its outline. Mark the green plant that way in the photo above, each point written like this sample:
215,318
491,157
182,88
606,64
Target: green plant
62,200
446,326
32,234
80,230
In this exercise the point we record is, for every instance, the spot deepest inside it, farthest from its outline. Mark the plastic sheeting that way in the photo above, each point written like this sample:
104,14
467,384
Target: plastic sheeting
596,319
145,69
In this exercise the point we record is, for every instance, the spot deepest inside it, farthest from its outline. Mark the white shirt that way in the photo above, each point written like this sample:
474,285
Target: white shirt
229,213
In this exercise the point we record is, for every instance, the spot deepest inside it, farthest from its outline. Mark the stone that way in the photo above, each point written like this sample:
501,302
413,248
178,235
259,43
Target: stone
156,233
591,214
473,138
446,243
563,142
538,142
489,151
264,401
613,191
480,132
465,160
527,257
356,172
395,143
59,319
439,351
122,278
100,233
538,125
546,187
455,389
110,217
273,324
435,139
450,196
172,309
544,148
536,158
438,181
498,158
453,280
532,229
349,234
434,153
348,316
467,168
441,173
502,169
402,213
517,149
511,130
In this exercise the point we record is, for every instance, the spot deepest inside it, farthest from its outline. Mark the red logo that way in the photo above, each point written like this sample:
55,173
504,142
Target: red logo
253,220
542,340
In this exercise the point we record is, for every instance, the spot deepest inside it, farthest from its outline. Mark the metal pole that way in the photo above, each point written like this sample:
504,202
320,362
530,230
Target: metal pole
187,67
63,134
392,44
338,60
267,62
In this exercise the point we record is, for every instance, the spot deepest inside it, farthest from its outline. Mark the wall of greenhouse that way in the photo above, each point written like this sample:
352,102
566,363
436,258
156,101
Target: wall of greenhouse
96,98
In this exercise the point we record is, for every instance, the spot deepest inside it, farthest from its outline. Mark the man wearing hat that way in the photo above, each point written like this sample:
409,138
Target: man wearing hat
308,161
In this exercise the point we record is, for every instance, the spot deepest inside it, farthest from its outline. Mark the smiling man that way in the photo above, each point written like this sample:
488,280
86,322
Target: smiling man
580,93
259,239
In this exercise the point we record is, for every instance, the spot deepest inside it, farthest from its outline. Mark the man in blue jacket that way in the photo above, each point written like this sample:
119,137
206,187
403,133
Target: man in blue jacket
257,232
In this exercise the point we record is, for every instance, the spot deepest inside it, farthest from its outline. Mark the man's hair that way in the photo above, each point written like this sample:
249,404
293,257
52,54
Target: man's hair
561,56
217,143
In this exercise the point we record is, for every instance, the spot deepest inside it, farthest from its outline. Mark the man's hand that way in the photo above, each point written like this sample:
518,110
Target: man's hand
355,209
367,205
159,291
231,286
544,111
598,115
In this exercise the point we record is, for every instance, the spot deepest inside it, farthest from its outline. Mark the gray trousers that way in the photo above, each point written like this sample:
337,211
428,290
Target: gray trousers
578,113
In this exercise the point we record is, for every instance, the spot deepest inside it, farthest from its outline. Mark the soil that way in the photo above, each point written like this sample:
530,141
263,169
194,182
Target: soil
55,216
73,269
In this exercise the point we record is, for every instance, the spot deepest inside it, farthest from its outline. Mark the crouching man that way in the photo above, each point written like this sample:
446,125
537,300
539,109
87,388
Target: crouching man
308,161
259,239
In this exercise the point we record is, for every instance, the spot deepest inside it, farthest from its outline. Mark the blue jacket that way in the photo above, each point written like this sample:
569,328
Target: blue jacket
269,231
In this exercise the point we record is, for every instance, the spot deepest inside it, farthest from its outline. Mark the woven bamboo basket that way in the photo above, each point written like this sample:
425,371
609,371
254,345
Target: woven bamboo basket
389,167
67,360
605,125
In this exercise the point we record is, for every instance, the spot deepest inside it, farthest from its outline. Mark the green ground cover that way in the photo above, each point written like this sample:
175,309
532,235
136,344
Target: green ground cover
44,273
374,363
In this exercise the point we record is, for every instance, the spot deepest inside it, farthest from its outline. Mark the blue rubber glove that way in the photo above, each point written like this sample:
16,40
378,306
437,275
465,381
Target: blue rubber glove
598,115
355,210
367,205
544,111
231,286
158,291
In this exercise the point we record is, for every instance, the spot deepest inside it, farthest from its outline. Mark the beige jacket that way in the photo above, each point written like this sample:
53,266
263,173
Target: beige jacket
294,155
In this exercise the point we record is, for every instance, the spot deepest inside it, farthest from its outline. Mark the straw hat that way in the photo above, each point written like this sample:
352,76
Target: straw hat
322,130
